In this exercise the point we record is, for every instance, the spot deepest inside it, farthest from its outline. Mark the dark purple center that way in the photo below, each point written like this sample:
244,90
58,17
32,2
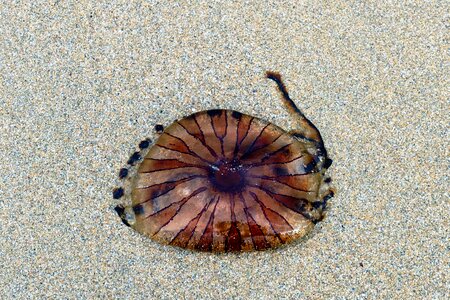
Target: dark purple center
227,176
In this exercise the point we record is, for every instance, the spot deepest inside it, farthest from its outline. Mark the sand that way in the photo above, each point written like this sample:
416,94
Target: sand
82,83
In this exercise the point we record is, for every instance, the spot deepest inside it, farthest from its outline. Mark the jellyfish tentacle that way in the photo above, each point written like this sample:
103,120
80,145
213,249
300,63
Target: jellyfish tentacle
307,129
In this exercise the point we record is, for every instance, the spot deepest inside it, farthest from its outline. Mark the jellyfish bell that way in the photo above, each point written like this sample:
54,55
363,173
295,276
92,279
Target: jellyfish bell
220,180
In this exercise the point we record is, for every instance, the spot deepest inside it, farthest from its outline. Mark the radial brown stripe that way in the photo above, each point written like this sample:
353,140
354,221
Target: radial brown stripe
153,222
192,128
255,129
242,131
167,184
256,142
170,211
173,143
275,187
157,152
267,138
202,224
206,240
242,224
278,223
205,123
282,155
177,144
182,238
155,191
298,205
289,181
174,195
145,180
256,212
233,241
301,165
237,117
219,124
165,164
302,182
222,224
170,147
292,218
257,235
262,143
229,140
195,145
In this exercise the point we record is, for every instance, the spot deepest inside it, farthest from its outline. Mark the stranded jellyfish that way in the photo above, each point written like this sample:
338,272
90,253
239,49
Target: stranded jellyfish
220,180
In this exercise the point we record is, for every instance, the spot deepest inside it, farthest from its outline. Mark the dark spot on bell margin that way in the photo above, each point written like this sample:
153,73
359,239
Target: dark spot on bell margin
327,180
237,115
328,196
319,219
138,209
190,118
317,204
280,171
121,211
159,128
117,193
324,201
134,158
123,173
309,167
144,144
214,112
327,162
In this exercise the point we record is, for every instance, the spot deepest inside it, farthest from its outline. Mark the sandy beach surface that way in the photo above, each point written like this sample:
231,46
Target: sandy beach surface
81,83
